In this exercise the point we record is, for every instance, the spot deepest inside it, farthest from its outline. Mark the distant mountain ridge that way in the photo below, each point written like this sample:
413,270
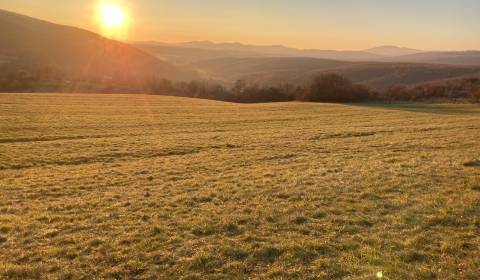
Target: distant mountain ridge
453,58
223,49
203,50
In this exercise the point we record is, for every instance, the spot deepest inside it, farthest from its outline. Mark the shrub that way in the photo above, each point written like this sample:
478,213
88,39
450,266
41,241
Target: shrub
476,94
334,88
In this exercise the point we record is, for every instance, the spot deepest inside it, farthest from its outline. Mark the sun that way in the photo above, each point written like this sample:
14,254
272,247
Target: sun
112,15
113,19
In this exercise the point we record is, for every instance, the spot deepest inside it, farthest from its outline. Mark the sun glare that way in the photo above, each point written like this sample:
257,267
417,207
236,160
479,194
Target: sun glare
113,19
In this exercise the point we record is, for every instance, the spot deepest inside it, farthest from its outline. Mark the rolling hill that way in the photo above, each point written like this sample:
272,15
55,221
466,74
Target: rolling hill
377,54
230,69
272,71
192,52
185,55
31,42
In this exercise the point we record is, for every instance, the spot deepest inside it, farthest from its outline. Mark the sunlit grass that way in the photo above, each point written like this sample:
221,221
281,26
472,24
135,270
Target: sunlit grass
144,187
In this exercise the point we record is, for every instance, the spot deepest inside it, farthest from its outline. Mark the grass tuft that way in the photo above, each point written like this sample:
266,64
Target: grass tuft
232,229
300,220
237,254
476,187
472,163
267,254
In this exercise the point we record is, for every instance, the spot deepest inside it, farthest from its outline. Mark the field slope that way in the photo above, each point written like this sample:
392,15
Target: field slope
145,187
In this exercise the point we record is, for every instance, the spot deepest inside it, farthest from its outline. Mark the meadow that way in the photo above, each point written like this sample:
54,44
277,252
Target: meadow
150,187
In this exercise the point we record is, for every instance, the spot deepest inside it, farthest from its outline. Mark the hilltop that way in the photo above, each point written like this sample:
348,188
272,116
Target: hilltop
32,43
389,51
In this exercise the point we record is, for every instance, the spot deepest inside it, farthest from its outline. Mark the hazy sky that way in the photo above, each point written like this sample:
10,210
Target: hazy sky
324,24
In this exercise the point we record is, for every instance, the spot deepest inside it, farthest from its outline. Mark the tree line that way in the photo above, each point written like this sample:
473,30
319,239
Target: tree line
327,87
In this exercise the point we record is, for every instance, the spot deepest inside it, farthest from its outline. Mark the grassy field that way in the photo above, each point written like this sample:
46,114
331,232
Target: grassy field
149,187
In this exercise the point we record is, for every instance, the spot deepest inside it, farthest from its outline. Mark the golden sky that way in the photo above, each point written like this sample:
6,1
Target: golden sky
323,24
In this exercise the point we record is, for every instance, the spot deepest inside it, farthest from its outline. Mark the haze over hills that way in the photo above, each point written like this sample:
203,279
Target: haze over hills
453,58
32,42
377,67
185,55
190,52
28,42
213,50
231,69
274,71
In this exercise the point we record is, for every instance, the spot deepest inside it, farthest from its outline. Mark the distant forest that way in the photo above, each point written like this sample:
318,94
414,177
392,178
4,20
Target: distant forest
322,88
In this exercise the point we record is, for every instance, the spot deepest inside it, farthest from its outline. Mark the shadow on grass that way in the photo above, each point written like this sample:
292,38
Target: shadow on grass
443,109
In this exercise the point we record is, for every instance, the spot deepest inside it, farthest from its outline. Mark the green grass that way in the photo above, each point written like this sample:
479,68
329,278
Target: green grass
147,187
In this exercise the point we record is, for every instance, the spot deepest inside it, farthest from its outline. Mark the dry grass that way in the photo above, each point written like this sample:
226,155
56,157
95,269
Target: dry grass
145,187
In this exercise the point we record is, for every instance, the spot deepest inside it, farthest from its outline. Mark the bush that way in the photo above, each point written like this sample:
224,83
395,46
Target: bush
453,90
476,94
255,94
334,88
